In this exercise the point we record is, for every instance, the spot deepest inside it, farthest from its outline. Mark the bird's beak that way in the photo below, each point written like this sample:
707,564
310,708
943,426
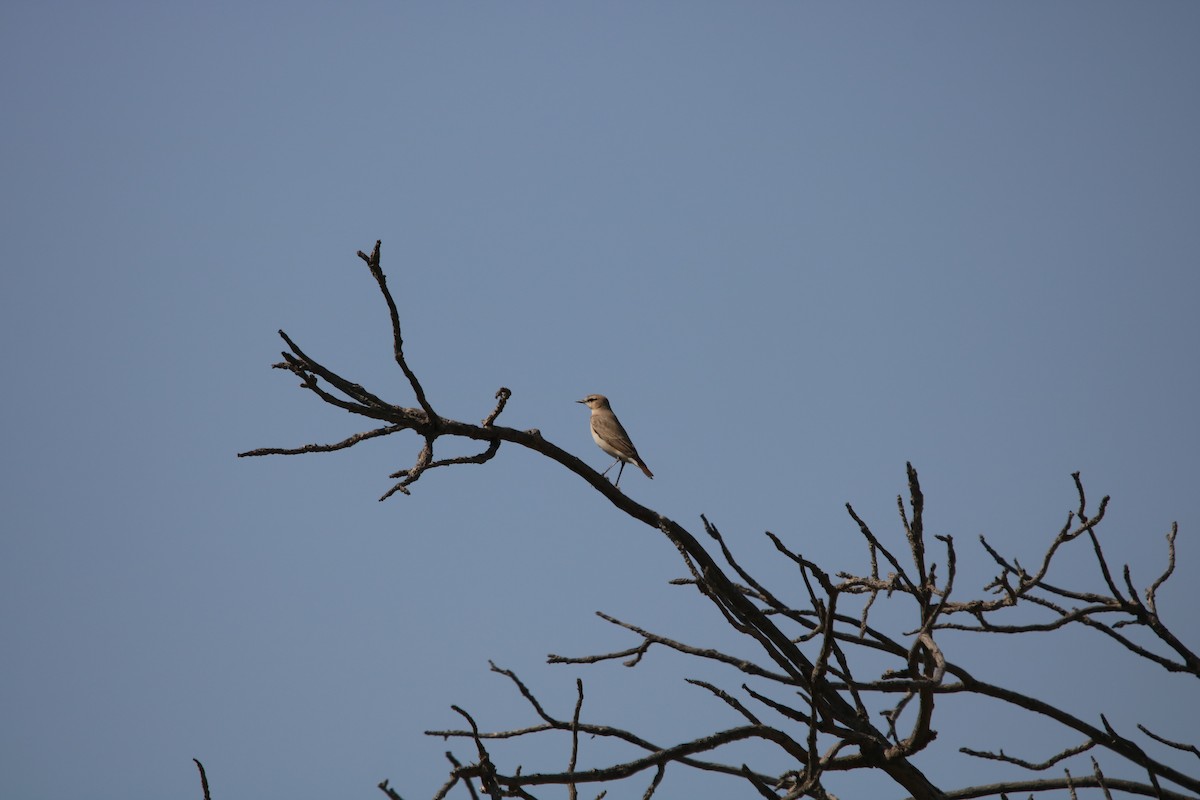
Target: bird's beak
581,401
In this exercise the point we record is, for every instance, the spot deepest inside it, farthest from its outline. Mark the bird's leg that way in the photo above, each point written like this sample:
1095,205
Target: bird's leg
610,466
621,470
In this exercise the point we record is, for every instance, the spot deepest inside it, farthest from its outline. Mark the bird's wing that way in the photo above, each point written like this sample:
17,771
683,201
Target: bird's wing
609,428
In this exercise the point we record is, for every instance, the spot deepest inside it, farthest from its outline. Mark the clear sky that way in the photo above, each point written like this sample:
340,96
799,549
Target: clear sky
797,245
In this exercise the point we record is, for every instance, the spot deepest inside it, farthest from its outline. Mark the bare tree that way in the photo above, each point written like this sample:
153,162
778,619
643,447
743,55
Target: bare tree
813,652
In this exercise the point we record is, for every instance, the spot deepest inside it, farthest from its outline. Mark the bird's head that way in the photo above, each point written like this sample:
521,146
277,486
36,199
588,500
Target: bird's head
594,401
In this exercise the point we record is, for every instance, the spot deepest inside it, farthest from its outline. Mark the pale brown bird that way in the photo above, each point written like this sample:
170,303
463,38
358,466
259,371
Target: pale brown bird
610,435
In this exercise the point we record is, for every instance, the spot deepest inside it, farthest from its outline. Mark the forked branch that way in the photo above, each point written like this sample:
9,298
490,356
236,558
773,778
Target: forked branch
804,695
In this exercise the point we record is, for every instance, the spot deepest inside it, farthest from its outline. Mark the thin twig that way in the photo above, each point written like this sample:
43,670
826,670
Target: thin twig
397,338
1030,765
572,792
203,779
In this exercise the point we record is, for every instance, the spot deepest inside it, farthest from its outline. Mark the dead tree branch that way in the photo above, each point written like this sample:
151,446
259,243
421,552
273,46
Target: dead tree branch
203,779
802,698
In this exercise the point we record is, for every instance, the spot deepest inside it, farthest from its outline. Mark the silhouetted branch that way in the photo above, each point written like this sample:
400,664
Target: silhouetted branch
349,441
745,665
397,339
389,791
1030,765
203,779
1187,748
658,776
806,653
1030,787
573,793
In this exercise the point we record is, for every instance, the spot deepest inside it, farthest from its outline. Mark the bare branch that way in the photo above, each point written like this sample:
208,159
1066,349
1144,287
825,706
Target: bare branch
746,666
397,339
323,448
1067,782
572,792
1100,779
728,699
806,648
636,652
551,723
389,791
1187,748
458,768
761,787
502,395
1030,765
203,779
876,546
483,768
658,776
916,530
479,458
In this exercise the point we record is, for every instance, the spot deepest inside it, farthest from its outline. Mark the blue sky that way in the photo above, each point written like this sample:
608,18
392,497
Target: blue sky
796,244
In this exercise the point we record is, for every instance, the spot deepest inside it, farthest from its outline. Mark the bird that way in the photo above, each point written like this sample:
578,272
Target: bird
611,437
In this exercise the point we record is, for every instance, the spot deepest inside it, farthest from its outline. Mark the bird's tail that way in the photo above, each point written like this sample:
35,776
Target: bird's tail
645,469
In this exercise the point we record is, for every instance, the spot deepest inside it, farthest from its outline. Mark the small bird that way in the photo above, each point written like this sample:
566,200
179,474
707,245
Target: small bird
611,436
